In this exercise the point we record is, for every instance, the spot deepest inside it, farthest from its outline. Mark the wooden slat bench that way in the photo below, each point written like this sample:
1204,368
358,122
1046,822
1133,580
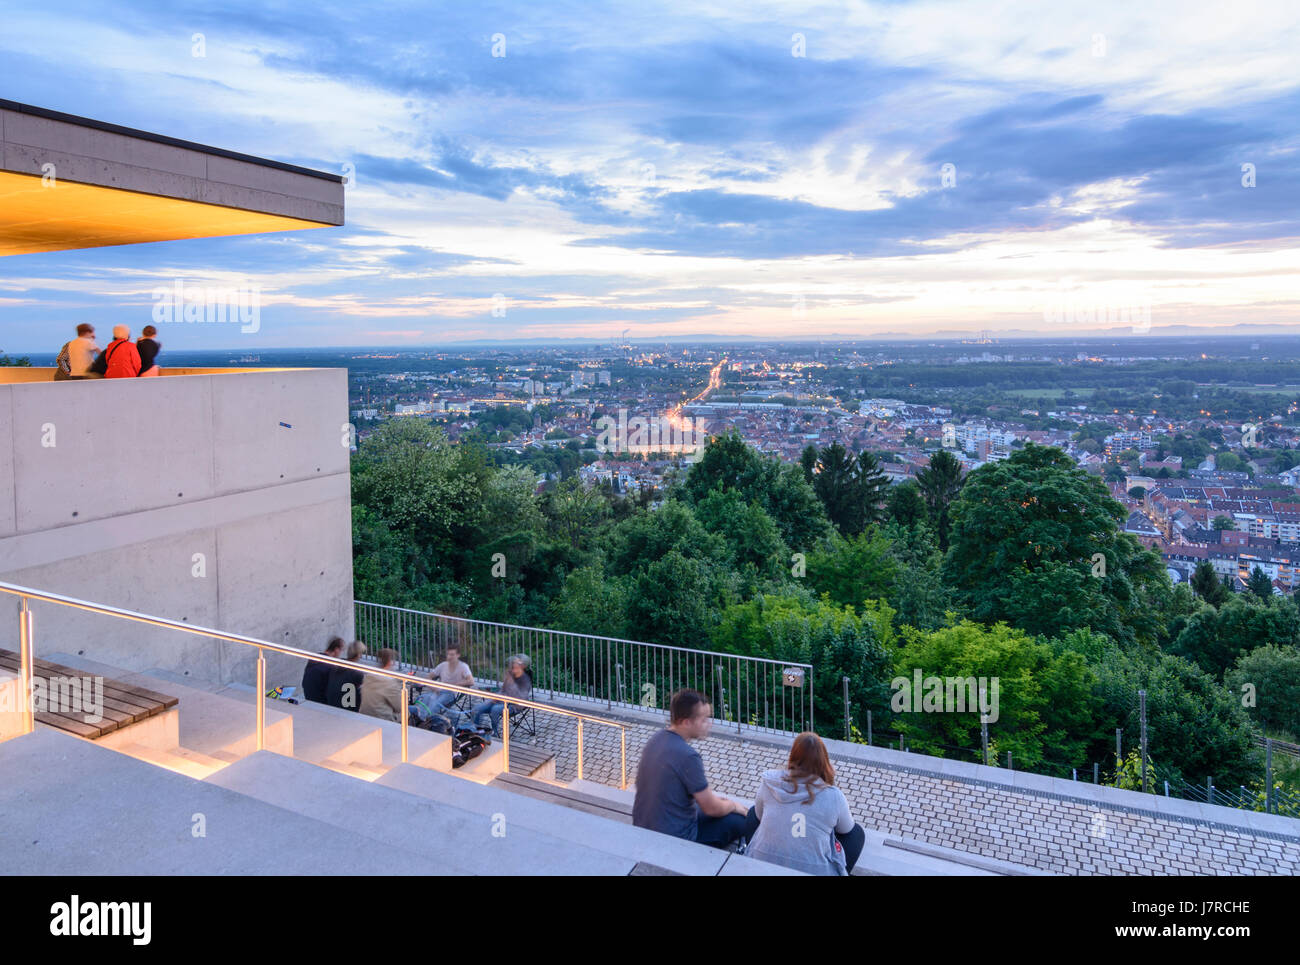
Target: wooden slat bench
531,761
124,703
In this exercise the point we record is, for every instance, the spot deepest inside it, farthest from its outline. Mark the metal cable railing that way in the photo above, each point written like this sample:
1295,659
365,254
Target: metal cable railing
27,658
757,693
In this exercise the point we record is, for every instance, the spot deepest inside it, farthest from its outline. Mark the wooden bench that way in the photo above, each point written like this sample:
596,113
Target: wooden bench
529,760
124,704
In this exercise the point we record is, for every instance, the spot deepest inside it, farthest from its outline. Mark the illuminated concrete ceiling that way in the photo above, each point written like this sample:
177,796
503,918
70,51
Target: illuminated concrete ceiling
35,217
68,182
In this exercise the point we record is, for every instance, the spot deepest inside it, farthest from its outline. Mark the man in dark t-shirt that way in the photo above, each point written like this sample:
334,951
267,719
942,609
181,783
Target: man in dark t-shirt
672,793
315,678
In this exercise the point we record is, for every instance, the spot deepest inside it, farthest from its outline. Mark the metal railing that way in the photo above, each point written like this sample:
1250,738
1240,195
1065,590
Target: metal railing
763,694
27,666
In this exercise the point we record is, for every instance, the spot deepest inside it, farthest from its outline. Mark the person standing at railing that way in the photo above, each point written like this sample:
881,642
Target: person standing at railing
316,675
517,683
382,696
805,822
344,688
672,793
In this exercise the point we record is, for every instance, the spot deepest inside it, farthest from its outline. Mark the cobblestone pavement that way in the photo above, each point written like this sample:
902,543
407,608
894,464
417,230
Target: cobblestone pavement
1037,829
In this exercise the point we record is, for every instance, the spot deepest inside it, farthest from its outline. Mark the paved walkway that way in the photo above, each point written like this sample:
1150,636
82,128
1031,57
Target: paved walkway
1054,832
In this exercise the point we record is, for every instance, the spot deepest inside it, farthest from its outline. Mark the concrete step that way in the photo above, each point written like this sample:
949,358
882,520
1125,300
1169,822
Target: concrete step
424,748
73,808
484,768
439,834
673,854
182,761
353,769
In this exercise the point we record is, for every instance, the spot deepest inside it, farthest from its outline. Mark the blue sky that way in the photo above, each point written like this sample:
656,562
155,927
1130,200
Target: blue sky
668,169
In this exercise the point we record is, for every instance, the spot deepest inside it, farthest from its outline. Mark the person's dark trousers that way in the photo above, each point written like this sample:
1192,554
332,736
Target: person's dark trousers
720,832
853,843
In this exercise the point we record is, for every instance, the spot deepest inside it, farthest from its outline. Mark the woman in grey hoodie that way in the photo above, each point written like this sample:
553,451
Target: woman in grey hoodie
804,820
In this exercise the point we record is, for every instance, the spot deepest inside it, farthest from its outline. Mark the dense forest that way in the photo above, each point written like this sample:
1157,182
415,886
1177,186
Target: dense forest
993,573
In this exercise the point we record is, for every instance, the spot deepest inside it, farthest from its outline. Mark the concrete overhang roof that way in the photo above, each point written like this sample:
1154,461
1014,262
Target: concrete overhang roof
68,182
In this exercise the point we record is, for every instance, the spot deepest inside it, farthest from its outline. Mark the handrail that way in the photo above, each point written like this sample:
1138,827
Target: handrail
26,593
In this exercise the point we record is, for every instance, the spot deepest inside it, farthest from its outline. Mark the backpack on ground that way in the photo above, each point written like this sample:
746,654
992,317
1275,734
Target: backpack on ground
465,746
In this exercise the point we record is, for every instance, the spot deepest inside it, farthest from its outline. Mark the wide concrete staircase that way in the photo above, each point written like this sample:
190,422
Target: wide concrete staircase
191,794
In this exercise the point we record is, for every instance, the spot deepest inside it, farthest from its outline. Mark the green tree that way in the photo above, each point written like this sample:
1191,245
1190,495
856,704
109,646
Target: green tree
808,461
590,602
753,541
783,493
1046,710
1223,522
836,641
573,512
905,505
1036,541
1207,585
1259,584
835,483
1228,461
940,482
1267,681
1215,637
852,571
1195,727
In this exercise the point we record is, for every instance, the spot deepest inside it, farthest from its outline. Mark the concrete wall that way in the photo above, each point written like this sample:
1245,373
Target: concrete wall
91,153
109,490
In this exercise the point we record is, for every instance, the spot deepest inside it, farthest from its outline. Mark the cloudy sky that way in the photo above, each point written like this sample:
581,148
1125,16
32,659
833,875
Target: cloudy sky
673,169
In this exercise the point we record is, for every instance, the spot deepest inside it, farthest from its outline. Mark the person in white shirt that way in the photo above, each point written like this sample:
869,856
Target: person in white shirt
76,356
453,670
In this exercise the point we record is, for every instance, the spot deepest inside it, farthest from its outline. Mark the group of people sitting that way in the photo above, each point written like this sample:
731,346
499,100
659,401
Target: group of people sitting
434,708
81,358
799,819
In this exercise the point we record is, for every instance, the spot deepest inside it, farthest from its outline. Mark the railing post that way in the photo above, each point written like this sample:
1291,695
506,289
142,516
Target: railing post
622,751
846,708
1268,775
261,699
580,748
609,686
868,728
505,736
26,661
405,716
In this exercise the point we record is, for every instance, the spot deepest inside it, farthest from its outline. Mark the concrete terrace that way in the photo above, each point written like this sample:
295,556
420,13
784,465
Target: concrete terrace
1054,825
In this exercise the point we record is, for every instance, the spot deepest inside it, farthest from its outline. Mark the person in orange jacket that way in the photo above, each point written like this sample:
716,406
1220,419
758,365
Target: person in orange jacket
120,358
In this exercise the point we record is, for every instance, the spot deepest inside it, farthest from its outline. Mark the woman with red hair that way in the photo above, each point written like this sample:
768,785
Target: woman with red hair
804,819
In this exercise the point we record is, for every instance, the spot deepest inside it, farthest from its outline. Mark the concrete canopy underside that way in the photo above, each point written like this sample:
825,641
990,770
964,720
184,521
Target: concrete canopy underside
36,218
68,182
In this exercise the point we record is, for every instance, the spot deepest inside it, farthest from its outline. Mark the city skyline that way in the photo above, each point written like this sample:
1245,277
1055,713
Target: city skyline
546,174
